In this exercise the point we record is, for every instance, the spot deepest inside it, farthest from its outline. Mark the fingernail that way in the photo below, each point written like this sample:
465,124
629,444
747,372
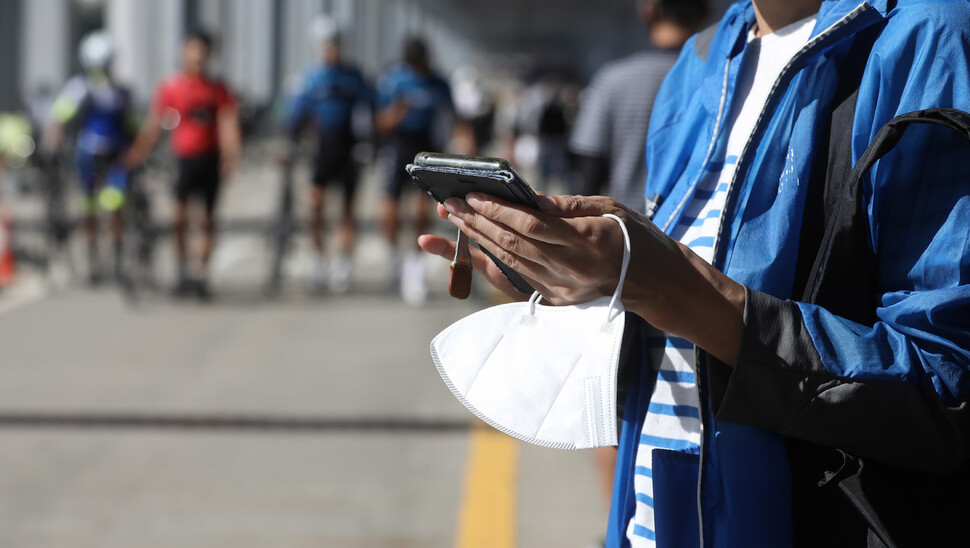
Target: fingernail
456,221
475,200
454,205
546,203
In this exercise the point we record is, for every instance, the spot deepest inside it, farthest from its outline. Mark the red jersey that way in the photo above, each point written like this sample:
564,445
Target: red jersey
197,101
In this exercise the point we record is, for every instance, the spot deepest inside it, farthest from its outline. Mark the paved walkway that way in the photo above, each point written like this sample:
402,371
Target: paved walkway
378,461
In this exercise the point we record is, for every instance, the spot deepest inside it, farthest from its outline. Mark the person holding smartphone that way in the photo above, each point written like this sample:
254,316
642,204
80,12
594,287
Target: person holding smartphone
754,418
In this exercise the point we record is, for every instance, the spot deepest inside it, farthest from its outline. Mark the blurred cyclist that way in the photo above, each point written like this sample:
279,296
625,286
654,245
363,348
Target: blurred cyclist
202,115
102,111
414,104
327,96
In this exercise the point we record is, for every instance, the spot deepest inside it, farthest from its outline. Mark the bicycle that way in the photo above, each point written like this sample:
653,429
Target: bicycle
57,224
284,227
137,276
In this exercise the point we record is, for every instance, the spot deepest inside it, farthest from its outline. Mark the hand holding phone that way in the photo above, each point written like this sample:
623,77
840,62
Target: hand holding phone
445,176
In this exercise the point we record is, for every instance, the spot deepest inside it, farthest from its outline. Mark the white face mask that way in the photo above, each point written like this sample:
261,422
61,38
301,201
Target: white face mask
542,374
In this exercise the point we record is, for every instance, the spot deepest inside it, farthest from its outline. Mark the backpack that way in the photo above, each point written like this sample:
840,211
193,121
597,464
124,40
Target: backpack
842,499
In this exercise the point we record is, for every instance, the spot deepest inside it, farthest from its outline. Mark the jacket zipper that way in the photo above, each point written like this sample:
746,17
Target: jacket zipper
810,47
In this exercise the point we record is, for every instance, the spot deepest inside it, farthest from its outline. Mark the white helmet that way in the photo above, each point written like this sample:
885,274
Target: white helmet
324,30
96,51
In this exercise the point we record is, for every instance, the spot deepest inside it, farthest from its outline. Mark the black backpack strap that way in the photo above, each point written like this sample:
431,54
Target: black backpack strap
844,269
833,163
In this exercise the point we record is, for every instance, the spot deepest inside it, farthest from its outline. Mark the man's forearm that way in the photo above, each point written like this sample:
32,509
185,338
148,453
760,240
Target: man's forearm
230,139
143,143
696,302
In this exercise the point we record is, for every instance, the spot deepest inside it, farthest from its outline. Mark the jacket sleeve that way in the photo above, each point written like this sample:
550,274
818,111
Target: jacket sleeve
880,410
897,390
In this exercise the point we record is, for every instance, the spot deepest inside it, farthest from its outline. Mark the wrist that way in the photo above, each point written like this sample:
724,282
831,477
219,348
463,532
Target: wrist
687,297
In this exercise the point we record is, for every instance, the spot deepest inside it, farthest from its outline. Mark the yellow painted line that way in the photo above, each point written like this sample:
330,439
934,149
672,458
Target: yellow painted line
487,513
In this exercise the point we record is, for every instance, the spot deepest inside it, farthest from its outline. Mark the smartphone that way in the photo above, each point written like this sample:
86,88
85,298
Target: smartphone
445,176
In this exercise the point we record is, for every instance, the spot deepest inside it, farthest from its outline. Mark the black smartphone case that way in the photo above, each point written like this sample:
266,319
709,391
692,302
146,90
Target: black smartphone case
445,176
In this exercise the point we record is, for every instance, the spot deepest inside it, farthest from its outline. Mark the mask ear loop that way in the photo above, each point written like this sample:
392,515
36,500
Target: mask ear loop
535,298
614,311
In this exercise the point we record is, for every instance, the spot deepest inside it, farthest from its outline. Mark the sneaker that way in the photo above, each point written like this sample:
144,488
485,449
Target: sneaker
117,270
202,291
95,277
95,273
318,280
394,279
340,271
413,289
182,287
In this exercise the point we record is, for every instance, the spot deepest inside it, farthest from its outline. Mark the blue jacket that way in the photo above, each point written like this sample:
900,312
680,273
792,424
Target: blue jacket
426,95
837,389
327,96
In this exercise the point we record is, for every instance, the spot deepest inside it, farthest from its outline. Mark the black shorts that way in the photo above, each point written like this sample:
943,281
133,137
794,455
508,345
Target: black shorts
199,178
396,156
335,162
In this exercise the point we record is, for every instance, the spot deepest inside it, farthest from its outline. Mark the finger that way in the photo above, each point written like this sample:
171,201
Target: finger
442,212
521,220
515,247
579,206
436,245
528,268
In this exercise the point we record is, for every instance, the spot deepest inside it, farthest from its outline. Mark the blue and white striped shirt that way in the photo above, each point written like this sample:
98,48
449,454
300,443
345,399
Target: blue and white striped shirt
673,417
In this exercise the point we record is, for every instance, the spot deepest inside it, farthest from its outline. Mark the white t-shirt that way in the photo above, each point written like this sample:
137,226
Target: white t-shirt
673,417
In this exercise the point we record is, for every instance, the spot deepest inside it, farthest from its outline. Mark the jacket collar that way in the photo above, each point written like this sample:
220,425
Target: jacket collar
740,16
831,11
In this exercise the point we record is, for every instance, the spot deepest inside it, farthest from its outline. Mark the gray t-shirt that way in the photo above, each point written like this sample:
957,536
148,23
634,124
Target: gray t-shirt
614,117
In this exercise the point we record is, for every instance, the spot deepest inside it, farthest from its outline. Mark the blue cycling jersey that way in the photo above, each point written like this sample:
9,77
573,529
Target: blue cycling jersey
425,94
328,95
101,108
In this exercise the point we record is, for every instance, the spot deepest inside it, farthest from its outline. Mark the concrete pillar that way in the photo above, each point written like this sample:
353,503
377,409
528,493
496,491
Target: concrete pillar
12,46
298,51
46,45
147,36
247,43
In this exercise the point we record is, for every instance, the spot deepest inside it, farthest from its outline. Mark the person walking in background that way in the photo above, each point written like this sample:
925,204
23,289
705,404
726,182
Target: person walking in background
474,106
328,94
610,133
206,140
415,112
102,110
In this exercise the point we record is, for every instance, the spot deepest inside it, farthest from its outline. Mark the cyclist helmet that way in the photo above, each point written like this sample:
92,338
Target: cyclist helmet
96,51
324,30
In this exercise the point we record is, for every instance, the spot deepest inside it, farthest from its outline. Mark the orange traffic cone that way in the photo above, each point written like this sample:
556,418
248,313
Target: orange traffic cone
7,268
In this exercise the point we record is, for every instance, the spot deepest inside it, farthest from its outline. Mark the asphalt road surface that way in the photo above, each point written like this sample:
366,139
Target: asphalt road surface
296,421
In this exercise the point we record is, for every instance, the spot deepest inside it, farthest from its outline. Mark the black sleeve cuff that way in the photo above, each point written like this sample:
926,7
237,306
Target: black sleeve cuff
779,383
775,352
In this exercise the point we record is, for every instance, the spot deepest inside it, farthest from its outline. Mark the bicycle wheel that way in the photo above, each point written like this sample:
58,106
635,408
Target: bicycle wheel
281,231
137,277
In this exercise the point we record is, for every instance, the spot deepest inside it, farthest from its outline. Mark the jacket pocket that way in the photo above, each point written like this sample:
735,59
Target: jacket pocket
675,498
